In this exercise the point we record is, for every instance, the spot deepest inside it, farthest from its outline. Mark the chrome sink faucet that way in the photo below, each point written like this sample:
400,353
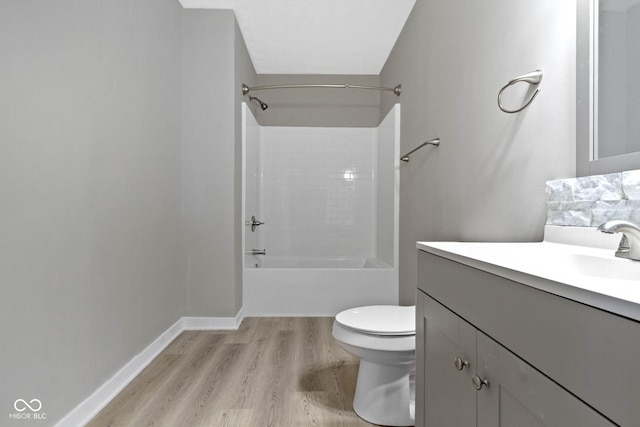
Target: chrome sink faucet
630,244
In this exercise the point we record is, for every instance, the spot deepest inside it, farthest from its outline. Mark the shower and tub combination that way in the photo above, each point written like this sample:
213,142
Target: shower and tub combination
321,212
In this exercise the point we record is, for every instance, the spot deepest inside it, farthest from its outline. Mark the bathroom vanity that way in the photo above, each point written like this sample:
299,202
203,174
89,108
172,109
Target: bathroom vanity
526,334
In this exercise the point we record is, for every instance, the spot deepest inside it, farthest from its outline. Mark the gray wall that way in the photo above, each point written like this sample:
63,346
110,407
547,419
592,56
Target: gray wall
486,181
244,73
618,93
120,186
90,190
633,95
614,76
319,107
214,59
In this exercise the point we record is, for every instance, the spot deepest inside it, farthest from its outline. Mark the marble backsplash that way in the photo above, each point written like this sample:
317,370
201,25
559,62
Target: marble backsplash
591,200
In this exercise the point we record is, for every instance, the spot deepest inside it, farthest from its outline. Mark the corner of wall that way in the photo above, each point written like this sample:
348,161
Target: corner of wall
92,405
244,73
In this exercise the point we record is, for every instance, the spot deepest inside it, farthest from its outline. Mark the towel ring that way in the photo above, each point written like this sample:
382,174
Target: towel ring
533,78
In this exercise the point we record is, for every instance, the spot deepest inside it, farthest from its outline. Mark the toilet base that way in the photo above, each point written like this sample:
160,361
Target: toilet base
385,394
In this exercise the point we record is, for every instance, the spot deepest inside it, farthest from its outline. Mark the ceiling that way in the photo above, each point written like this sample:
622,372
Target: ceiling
316,36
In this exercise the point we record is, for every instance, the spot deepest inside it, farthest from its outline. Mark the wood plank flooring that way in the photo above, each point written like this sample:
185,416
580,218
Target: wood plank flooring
278,372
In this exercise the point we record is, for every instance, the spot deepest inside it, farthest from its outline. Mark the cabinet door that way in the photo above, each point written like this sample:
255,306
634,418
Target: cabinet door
520,396
449,397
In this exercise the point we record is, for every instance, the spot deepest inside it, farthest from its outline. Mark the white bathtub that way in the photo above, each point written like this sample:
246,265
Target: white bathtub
318,262
305,286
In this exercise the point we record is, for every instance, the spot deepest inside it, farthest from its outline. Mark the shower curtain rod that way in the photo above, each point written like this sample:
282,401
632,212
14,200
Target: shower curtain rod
246,89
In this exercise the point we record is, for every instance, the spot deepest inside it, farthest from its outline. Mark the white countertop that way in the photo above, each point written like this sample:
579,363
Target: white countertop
586,274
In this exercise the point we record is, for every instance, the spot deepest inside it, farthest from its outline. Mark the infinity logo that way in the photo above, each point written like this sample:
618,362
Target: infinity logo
21,405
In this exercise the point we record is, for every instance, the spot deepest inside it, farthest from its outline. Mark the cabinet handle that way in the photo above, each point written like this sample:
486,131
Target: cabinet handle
479,382
460,364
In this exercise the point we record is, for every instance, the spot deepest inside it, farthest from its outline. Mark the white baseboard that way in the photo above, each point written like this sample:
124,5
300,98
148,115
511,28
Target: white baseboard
89,408
212,323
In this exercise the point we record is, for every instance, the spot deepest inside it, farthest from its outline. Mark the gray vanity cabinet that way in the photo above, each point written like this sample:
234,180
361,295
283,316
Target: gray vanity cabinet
512,393
460,335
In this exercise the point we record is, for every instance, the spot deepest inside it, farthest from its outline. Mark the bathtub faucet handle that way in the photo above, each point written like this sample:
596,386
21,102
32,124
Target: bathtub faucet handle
254,223
256,252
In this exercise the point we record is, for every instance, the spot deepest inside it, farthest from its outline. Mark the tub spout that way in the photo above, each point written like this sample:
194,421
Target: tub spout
256,252
630,243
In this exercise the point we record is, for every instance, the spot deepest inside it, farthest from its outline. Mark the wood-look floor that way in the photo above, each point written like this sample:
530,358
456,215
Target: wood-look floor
271,372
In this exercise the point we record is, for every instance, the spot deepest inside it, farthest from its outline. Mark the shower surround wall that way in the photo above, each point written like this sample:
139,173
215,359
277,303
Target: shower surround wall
328,198
319,191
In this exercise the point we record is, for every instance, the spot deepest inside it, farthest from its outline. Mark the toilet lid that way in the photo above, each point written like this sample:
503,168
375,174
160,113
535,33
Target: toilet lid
380,319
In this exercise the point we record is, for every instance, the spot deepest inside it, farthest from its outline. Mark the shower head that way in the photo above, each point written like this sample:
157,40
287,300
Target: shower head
262,104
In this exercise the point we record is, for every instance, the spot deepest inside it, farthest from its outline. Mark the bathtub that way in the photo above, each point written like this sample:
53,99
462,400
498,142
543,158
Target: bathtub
318,262
316,286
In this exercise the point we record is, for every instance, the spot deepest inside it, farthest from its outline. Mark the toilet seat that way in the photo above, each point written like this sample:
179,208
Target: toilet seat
384,320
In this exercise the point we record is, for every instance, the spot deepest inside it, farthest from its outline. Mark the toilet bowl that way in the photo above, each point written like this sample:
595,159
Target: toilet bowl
383,337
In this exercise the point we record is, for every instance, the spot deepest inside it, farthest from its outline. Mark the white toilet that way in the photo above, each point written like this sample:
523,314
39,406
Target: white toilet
383,337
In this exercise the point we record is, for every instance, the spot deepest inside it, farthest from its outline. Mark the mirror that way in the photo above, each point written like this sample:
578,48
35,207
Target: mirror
608,97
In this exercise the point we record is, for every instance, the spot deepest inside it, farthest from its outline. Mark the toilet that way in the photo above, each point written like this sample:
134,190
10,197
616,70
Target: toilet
383,337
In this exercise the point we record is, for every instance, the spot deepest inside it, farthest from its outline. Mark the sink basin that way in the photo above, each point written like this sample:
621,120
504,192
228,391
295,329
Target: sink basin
604,267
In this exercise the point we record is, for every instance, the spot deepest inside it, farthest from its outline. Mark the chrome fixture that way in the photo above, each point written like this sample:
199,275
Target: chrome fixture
396,90
478,382
254,223
256,252
460,363
629,246
533,78
262,104
435,142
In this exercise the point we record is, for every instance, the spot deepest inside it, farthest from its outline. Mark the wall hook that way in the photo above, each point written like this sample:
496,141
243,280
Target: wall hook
533,78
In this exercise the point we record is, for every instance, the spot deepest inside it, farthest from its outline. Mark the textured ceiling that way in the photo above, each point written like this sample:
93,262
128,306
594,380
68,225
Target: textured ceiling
316,36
